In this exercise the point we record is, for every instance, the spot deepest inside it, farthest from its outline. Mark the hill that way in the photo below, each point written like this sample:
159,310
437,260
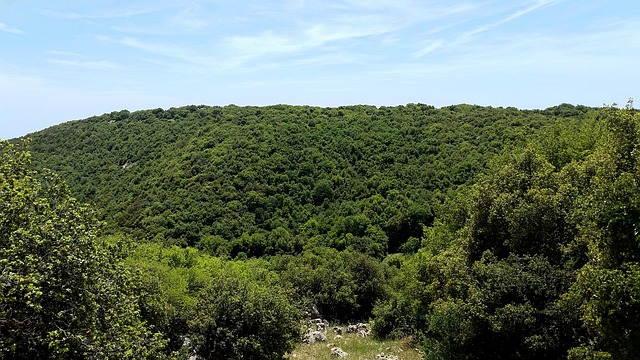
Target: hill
268,180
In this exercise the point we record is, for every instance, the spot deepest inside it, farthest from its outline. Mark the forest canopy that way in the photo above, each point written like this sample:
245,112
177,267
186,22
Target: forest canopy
269,180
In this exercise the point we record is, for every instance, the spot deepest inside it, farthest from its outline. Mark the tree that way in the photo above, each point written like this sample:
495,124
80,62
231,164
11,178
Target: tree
492,292
606,290
63,292
546,264
238,318
215,308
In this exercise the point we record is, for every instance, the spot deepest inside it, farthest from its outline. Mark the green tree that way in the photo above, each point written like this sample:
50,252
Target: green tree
343,285
238,318
492,292
63,293
227,309
606,290
545,264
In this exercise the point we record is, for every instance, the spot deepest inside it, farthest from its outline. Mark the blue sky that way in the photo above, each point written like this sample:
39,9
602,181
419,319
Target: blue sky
70,59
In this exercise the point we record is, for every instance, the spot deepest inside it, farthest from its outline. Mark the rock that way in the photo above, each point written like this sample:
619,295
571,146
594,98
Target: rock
312,336
338,330
337,352
320,336
337,337
382,356
364,333
358,327
319,324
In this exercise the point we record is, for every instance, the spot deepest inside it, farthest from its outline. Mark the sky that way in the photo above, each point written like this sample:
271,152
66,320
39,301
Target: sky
70,59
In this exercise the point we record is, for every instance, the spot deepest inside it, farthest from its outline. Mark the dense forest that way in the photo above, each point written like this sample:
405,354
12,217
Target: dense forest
270,180
479,232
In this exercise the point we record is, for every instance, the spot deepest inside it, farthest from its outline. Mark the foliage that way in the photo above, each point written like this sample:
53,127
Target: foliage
63,293
237,319
271,180
342,285
545,264
227,309
606,290
480,232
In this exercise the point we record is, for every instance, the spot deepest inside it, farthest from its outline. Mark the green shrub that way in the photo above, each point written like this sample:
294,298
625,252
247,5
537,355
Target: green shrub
239,319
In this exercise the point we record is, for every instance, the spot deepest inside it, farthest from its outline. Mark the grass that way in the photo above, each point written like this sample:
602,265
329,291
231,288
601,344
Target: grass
357,347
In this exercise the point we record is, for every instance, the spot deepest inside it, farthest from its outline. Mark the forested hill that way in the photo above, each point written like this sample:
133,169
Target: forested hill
267,180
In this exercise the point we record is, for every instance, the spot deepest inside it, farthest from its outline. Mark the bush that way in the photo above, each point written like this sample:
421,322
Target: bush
240,319
343,285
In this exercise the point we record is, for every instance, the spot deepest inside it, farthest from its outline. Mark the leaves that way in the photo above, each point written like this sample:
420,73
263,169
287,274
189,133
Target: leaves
63,293
546,263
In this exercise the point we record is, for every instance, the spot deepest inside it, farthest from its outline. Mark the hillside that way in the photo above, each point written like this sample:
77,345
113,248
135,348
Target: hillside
268,180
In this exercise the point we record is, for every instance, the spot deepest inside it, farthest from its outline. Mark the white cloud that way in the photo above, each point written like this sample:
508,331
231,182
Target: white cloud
346,28
63,53
543,54
303,28
11,30
8,81
107,13
452,42
311,26
190,18
429,49
264,44
94,65
165,49
515,15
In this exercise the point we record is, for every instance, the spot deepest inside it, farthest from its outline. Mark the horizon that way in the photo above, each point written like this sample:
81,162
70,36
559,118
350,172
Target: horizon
71,61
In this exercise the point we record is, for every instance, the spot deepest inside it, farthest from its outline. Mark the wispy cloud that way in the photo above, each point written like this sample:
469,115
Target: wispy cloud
542,54
342,58
366,36
190,18
107,13
313,36
263,44
62,53
93,65
320,35
11,30
305,30
337,22
468,35
187,58
346,28
429,49
511,17
11,81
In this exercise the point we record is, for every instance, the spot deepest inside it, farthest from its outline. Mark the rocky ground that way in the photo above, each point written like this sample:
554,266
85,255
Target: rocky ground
326,341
